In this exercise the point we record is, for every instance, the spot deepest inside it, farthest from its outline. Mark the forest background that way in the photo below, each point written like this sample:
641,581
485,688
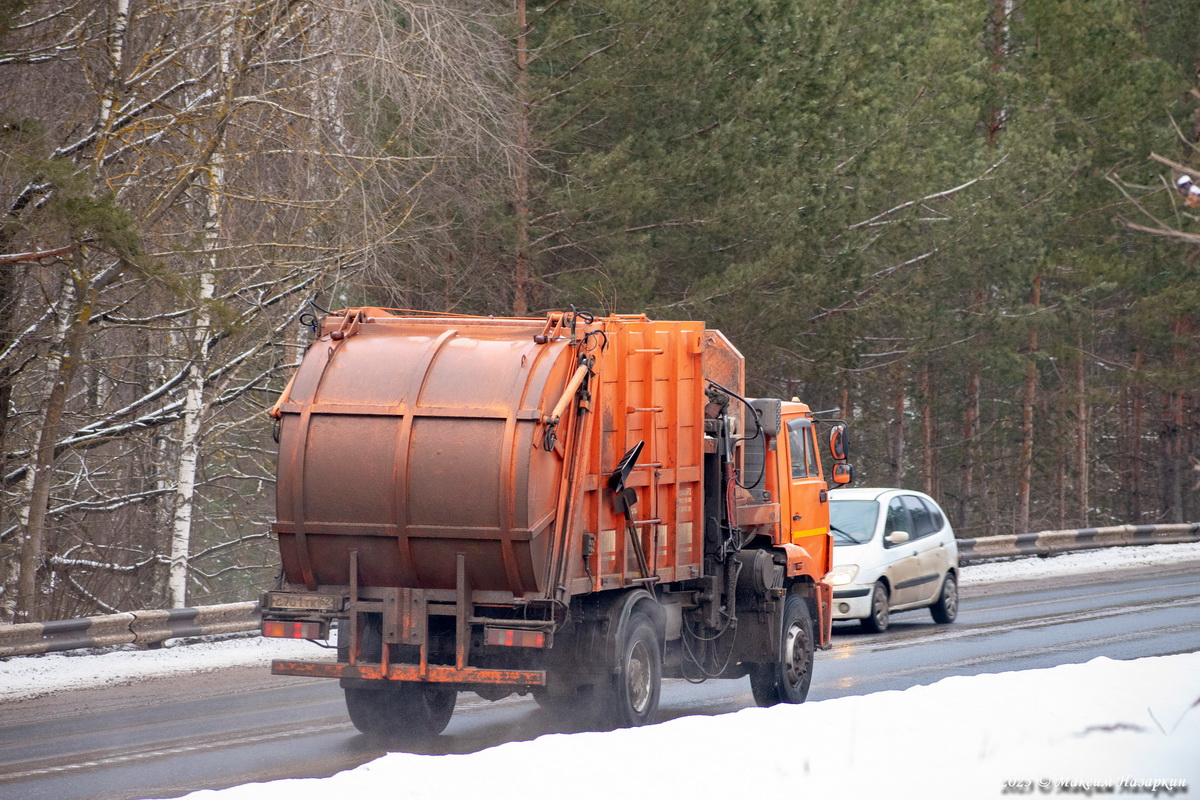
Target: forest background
950,222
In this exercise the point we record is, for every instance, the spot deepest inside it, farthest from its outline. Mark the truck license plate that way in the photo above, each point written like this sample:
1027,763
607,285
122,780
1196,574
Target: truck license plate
293,601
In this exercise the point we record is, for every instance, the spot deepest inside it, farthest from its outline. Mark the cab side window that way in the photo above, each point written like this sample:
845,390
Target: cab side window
799,442
810,447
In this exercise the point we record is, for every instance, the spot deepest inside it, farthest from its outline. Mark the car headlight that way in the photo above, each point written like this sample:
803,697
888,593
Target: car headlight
841,575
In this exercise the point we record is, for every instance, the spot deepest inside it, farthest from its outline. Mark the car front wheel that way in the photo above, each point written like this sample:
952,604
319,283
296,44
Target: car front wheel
881,607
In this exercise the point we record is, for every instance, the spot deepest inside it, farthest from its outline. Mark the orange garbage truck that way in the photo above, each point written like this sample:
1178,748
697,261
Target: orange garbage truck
573,507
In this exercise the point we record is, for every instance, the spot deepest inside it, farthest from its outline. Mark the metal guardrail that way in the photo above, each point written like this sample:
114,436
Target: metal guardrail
973,551
143,628
149,628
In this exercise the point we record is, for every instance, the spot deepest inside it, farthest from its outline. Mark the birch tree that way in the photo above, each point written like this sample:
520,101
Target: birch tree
232,166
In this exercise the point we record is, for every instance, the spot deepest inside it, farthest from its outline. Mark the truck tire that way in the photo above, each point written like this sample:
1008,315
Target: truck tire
787,680
406,710
396,710
632,699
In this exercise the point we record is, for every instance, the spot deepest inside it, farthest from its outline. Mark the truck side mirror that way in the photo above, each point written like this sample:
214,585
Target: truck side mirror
843,473
838,446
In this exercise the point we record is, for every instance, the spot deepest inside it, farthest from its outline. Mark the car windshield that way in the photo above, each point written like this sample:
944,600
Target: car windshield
852,521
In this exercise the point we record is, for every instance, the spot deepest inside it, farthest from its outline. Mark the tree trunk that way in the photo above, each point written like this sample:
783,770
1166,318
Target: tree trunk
999,31
194,407
521,188
189,450
1081,449
1138,421
896,429
1025,479
1181,331
113,89
970,445
1060,484
62,363
10,554
928,455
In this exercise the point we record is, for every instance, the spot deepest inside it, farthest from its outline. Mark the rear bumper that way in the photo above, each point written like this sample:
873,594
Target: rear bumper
431,673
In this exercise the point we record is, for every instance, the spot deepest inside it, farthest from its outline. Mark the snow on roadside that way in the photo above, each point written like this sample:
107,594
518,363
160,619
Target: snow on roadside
1061,730
1082,561
24,677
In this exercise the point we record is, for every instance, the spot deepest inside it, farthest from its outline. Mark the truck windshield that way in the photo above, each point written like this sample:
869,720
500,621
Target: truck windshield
852,521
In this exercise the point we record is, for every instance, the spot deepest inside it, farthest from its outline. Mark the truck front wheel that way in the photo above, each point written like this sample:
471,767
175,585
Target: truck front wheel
401,711
787,680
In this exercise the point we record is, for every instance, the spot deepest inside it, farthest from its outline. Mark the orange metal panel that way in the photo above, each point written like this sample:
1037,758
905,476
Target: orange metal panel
650,390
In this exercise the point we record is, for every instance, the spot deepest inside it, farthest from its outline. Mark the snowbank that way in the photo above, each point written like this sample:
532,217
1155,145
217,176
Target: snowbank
1111,727
1081,562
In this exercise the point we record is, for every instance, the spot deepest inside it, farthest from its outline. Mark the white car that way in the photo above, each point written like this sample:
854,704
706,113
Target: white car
894,550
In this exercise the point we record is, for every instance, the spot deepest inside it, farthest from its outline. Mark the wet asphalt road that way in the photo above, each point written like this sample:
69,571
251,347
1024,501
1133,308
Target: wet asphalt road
169,737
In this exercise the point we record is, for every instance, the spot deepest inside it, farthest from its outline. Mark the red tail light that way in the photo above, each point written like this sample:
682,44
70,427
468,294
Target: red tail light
505,637
286,629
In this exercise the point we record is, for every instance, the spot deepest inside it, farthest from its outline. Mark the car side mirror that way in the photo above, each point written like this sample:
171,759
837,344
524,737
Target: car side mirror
897,537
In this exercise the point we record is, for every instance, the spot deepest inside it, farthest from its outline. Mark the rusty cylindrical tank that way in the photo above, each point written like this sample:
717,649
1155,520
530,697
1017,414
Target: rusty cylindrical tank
410,441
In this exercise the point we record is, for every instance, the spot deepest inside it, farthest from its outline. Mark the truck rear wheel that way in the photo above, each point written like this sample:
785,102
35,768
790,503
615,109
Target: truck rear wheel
787,680
633,699
392,709
403,710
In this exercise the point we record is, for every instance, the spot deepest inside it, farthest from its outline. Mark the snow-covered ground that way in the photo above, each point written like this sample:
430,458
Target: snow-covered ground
1127,726
1111,727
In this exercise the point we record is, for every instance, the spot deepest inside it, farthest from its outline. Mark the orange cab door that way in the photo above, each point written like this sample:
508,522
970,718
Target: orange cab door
807,493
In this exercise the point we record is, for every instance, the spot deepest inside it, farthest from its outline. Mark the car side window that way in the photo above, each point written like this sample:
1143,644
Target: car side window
897,518
935,514
922,521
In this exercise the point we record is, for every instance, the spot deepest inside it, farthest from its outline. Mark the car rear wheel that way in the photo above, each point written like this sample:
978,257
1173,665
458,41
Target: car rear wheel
881,606
945,610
